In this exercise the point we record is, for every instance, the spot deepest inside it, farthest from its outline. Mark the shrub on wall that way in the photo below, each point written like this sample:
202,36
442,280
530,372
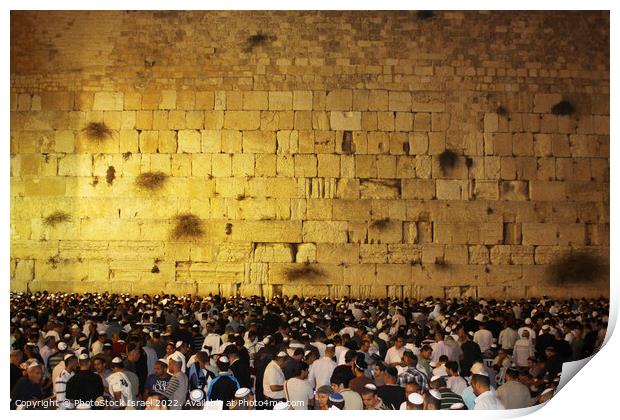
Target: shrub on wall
151,181
188,226
97,131
56,218
305,272
576,268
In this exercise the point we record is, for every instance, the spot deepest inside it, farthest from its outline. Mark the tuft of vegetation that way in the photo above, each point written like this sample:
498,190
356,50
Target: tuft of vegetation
155,269
425,14
188,226
447,160
228,228
563,108
501,111
54,261
306,271
257,40
469,162
441,263
576,268
126,155
110,175
381,224
152,181
56,218
97,131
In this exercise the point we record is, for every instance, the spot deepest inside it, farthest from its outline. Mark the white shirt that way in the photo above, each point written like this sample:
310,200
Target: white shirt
456,384
340,352
213,340
300,391
440,349
488,401
320,347
394,355
321,372
523,350
273,376
60,389
118,382
507,338
484,339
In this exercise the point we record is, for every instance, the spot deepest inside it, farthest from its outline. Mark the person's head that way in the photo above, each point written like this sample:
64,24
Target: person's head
222,363
281,359
443,359
202,358
322,395
411,387
378,369
101,337
550,352
84,362
336,399
511,375
169,348
117,365
432,400
133,352
16,357
410,359
439,336
34,373
365,346
99,364
340,379
415,401
160,368
155,402
359,367
501,354
330,350
400,342
369,396
426,351
438,383
71,363
301,370
480,383
390,376
452,368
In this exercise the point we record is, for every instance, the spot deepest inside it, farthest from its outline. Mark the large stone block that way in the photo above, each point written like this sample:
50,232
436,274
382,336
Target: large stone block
325,231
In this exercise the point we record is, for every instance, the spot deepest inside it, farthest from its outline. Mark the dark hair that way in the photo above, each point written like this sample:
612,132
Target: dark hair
453,366
343,377
222,366
481,380
392,371
443,358
349,356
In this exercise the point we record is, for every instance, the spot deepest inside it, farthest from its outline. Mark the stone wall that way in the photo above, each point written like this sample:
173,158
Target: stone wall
309,145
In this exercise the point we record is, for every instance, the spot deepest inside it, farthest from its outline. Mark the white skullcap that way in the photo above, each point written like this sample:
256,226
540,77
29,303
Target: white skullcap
281,405
307,352
117,360
448,329
32,364
476,368
482,373
436,394
546,391
83,356
415,398
178,344
545,327
223,359
62,346
196,394
372,387
410,346
242,392
528,321
49,334
266,340
434,378
457,406
333,407
433,364
330,346
175,358
282,354
68,356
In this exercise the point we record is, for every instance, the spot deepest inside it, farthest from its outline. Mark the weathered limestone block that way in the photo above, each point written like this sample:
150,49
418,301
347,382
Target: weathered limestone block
337,253
539,234
386,188
418,189
325,231
241,120
306,252
108,101
373,253
385,231
514,190
393,274
404,253
350,120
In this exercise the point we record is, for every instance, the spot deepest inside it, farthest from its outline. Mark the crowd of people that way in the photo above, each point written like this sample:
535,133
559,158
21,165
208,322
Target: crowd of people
113,351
